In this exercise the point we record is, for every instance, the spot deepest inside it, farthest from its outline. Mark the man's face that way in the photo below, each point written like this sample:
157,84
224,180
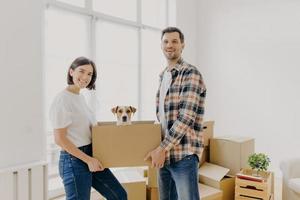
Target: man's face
171,45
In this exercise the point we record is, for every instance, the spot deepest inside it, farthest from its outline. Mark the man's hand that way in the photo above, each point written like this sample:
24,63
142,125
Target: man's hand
157,156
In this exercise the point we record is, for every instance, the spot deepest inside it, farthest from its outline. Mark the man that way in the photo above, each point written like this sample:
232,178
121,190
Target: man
180,109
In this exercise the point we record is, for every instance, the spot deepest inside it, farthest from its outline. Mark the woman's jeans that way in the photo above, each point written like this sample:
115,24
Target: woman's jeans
179,180
78,180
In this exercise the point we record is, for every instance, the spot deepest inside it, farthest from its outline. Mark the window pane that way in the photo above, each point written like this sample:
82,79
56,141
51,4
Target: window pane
152,65
80,3
117,59
154,13
118,8
66,37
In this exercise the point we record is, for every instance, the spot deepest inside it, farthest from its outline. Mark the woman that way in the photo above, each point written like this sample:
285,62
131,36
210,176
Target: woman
72,121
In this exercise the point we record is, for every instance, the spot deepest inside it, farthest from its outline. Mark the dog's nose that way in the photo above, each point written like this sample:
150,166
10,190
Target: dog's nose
124,118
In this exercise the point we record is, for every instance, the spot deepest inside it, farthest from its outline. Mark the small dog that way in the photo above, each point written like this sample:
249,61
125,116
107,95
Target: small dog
124,114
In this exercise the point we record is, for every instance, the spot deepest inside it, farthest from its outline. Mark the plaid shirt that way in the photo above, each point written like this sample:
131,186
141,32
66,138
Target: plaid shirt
184,109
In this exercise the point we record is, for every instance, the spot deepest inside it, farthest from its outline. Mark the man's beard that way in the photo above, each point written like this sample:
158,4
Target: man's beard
172,56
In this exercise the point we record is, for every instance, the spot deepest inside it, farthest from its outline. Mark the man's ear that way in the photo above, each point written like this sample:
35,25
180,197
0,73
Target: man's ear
115,109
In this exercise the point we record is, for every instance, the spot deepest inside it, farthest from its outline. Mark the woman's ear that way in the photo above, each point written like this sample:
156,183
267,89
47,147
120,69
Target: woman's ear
71,72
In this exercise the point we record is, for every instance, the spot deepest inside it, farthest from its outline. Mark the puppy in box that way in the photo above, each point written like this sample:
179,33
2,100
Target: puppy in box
124,114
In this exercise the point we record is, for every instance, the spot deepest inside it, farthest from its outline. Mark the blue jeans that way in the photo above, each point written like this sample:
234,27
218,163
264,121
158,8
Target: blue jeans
179,180
78,180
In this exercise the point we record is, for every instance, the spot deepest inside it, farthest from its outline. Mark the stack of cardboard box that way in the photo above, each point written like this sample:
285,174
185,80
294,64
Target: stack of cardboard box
126,146
227,156
152,186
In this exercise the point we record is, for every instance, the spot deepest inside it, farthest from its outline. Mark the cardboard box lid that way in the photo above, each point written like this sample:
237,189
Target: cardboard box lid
234,138
212,171
128,175
133,122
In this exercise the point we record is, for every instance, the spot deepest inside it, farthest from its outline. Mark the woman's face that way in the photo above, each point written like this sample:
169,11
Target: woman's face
82,75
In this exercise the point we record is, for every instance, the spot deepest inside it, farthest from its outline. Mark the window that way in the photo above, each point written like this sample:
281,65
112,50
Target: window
117,59
152,65
80,3
118,8
154,13
61,47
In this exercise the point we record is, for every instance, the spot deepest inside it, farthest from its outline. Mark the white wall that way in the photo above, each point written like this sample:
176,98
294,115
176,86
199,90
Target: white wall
21,108
249,52
187,21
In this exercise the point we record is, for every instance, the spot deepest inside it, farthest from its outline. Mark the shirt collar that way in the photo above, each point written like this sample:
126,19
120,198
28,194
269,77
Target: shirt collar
177,66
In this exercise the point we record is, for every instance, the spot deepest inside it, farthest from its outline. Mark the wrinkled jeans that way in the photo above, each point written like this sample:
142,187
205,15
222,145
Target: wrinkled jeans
78,180
179,180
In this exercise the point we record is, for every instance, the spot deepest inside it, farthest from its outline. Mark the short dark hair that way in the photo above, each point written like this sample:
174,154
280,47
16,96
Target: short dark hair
171,30
79,62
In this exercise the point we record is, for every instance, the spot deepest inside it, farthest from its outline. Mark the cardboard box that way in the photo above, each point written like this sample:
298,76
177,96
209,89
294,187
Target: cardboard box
152,193
208,131
231,152
126,145
216,176
209,193
204,156
152,177
133,182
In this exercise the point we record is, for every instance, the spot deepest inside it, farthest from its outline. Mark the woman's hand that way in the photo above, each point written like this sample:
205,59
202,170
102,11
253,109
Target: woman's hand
94,165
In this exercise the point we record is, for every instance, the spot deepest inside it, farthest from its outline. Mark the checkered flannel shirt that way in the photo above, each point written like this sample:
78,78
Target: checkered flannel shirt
184,109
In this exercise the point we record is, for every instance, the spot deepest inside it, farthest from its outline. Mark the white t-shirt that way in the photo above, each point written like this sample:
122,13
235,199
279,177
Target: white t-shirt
165,85
70,110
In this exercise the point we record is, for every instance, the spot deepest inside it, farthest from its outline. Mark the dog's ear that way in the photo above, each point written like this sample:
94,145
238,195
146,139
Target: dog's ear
133,109
115,109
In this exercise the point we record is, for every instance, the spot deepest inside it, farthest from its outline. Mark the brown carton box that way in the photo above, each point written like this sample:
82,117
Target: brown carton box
216,176
204,156
152,193
208,131
209,193
133,182
152,177
124,146
231,152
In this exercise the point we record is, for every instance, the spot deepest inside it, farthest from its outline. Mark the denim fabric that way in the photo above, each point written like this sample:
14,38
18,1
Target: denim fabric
78,180
179,180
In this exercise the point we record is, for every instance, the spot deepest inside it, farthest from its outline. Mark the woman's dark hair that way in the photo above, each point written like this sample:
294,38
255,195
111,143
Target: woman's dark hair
79,62
172,30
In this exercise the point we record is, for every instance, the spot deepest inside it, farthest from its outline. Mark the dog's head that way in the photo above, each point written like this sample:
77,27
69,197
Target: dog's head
124,114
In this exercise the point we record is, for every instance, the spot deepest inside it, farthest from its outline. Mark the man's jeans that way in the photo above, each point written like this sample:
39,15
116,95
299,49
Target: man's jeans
78,180
180,180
